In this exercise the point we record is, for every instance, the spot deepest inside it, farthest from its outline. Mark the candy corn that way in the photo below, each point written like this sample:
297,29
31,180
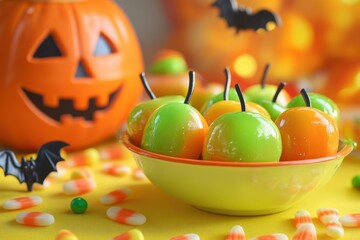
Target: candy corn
327,214
116,196
88,157
236,233
330,218
334,229
302,216
275,236
22,202
66,235
37,219
305,231
133,234
116,169
350,220
189,236
125,216
138,174
114,152
83,172
78,186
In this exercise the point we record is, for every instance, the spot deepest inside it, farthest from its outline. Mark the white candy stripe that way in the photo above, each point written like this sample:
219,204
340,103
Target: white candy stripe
38,219
79,186
350,220
125,216
275,236
116,196
22,202
189,236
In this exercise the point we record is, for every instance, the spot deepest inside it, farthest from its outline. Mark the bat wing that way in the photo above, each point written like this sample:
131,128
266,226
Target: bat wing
47,158
227,12
243,18
11,166
262,18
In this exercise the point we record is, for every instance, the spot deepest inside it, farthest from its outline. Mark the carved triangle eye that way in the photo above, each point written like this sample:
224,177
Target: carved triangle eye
103,47
48,48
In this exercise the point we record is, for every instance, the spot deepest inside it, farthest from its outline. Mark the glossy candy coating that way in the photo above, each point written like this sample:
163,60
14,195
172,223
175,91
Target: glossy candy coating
272,108
139,116
168,62
222,107
175,129
256,92
307,133
318,101
78,205
242,136
232,95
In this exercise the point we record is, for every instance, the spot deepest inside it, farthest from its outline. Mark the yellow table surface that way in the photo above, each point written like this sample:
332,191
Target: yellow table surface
166,216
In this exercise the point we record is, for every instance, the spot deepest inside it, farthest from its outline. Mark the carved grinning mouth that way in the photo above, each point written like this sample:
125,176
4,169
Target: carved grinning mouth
66,106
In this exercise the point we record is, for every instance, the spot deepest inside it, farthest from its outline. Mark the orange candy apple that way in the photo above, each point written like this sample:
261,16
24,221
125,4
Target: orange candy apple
221,107
307,132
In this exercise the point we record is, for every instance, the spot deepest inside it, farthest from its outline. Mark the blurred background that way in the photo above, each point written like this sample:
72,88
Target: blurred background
317,46
318,40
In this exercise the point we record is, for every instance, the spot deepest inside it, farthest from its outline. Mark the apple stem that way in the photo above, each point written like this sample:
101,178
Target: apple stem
241,97
146,86
265,73
278,90
227,83
306,97
191,87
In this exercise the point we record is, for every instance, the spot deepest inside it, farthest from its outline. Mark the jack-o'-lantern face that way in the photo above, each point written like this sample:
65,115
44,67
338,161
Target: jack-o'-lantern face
68,71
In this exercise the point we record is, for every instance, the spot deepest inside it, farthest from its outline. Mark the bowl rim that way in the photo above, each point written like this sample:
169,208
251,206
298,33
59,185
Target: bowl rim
345,150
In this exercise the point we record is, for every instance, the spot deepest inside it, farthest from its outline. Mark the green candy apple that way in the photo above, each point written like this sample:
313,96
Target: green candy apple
227,94
319,102
272,107
266,91
176,129
139,115
242,137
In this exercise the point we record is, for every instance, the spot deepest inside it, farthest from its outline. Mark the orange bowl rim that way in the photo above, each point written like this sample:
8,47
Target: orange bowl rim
343,152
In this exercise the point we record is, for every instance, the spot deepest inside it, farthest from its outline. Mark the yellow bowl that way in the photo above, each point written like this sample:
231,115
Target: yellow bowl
237,188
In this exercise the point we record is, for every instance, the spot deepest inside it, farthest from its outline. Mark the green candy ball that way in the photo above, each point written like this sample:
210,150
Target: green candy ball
78,205
356,181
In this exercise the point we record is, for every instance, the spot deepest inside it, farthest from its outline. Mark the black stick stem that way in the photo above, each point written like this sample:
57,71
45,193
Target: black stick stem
227,83
264,76
241,97
146,86
191,87
278,90
306,97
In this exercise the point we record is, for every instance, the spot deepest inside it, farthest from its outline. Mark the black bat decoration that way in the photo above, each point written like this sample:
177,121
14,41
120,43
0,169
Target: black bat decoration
32,171
242,18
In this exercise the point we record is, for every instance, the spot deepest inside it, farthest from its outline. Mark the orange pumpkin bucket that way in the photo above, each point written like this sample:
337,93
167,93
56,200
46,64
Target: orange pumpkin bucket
69,71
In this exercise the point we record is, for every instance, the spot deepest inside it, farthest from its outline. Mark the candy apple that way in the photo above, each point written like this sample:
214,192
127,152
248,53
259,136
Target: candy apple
176,129
318,101
242,137
168,73
272,107
225,106
307,132
227,94
266,91
204,94
139,115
